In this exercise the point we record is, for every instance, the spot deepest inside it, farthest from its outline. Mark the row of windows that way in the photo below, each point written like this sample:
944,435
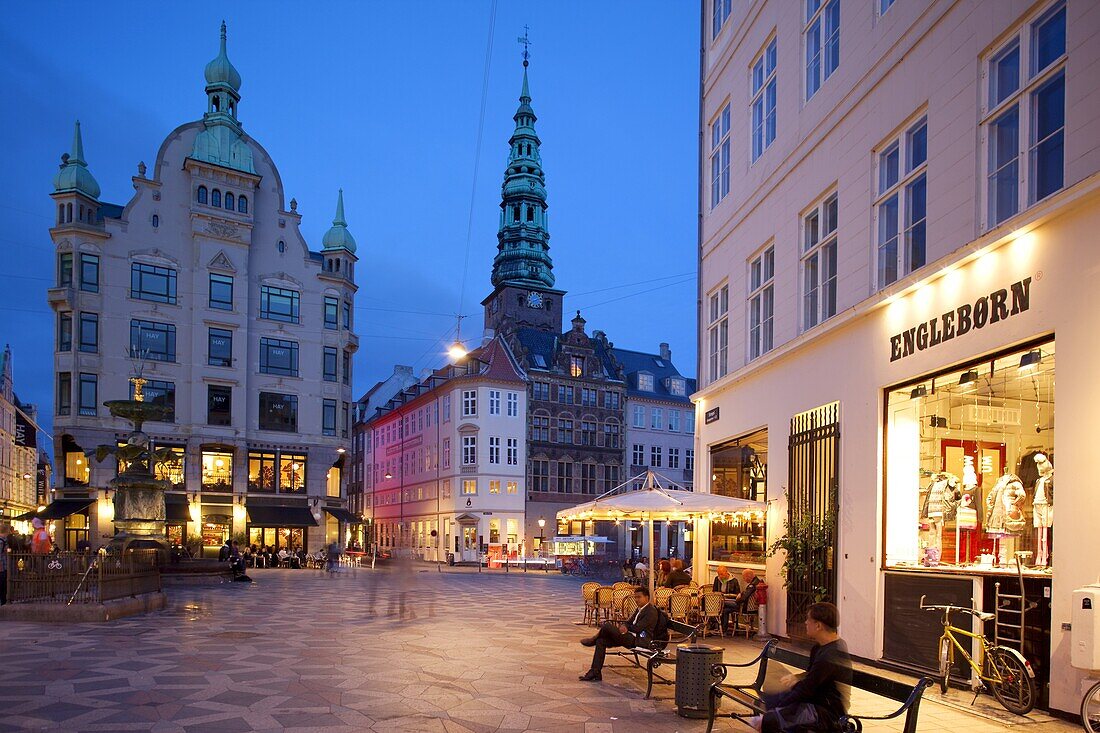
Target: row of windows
1025,102
570,395
657,421
470,403
583,432
657,455
568,477
85,214
277,411
215,198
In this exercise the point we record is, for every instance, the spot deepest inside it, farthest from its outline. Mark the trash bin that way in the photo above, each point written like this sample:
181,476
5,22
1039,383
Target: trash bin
450,558
693,678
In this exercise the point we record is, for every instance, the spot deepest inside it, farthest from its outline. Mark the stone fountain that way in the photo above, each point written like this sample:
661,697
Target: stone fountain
138,493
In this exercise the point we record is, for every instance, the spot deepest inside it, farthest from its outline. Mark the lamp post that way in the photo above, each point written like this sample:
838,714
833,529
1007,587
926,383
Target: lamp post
542,540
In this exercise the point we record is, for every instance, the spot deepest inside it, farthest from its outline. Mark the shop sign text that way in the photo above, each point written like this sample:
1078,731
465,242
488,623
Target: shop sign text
710,416
997,306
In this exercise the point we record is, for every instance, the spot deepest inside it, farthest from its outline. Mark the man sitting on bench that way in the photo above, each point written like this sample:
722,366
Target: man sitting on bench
815,700
641,629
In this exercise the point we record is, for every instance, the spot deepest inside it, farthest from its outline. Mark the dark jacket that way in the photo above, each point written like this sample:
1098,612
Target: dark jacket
732,586
223,554
743,600
825,683
643,623
675,578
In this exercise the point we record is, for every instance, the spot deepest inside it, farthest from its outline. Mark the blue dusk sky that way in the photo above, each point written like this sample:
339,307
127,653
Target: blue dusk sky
383,100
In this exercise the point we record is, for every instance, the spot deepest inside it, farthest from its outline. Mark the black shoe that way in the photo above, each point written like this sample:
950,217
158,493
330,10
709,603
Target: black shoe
590,641
591,676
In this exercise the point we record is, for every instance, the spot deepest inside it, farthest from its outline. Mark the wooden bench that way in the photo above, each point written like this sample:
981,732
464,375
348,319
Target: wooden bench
750,695
659,652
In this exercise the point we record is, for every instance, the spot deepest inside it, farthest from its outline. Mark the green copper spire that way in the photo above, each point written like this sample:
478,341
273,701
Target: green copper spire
220,142
338,237
523,241
74,174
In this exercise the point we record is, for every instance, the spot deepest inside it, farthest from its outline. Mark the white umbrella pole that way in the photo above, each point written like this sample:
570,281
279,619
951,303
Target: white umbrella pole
652,566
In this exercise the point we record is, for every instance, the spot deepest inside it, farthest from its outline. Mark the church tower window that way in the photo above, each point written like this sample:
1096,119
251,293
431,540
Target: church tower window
200,195
216,198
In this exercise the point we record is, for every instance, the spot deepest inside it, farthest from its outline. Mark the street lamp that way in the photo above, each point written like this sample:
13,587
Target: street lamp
542,523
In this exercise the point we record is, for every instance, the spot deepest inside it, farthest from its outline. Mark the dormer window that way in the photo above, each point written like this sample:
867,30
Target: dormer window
676,386
576,366
645,382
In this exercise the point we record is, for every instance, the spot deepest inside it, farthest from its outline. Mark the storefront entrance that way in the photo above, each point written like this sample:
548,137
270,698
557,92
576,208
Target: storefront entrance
277,538
469,543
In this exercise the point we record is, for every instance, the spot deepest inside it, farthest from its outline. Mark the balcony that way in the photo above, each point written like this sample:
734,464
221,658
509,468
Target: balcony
60,298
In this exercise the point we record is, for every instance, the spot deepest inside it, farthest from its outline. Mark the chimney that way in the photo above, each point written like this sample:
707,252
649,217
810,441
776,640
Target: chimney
666,353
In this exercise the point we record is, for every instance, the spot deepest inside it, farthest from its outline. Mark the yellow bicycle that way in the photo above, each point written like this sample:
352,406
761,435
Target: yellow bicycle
1000,669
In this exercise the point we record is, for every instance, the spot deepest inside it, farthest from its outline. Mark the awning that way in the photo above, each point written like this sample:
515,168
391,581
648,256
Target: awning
280,516
59,509
176,509
344,515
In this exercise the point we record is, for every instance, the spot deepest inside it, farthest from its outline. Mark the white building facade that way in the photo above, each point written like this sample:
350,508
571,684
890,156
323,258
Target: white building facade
20,490
444,461
204,281
899,203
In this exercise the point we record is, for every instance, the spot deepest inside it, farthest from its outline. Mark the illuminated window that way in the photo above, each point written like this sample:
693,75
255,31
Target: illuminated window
217,471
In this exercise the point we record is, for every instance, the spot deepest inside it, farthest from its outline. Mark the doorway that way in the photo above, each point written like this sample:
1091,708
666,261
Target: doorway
469,543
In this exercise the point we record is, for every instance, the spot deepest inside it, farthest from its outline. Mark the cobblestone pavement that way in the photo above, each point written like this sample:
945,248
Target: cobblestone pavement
365,650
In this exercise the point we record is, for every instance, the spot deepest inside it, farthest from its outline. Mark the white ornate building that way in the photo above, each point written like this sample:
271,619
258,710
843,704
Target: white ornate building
204,278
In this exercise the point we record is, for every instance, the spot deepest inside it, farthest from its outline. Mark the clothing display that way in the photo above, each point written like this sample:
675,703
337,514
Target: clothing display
967,515
1043,509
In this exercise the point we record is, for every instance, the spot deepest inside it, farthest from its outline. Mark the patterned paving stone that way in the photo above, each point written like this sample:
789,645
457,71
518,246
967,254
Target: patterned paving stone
397,649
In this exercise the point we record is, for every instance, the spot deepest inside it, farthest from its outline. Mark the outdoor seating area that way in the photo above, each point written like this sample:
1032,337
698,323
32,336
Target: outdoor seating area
687,604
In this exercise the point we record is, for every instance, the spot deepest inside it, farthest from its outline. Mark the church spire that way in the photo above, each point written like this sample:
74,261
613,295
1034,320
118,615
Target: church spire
74,174
221,141
523,240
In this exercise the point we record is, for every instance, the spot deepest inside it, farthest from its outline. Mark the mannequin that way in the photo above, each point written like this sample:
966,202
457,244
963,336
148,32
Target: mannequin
1043,506
966,519
940,504
1004,515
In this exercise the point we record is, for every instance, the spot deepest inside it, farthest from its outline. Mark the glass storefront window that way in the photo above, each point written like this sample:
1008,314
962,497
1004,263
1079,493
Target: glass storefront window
970,465
739,468
332,482
261,471
217,471
172,469
76,468
292,472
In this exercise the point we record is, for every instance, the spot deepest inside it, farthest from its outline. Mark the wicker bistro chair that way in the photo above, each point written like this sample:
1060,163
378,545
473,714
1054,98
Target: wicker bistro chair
588,592
624,586
748,616
605,603
661,596
618,597
710,607
629,607
679,607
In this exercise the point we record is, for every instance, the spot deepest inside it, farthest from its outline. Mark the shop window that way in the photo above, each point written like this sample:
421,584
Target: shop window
739,468
261,471
217,471
278,412
332,482
970,465
76,468
171,469
219,405
292,473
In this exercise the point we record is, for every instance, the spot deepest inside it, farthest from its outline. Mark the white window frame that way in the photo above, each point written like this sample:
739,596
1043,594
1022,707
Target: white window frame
494,449
469,487
637,453
718,336
494,402
673,420
655,456
469,403
657,418
645,382
761,303
513,451
884,6
673,457
893,202
762,120
638,416
816,35
819,261
513,404
1030,81
469,450
689,459
720,13
720,156
512,487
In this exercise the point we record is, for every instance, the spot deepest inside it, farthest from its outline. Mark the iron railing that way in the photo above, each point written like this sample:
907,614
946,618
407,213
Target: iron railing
70,577
813,504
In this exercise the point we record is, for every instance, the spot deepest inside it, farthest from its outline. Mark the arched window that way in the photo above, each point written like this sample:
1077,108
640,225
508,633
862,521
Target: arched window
200,196
217,102
61,213
216,198
80,217
282,246
338,265
229,202
156,221
530,213
242,204
515,213
68,213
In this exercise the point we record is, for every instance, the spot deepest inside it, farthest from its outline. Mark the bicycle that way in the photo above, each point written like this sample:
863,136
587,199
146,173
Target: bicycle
1090,709
1000,669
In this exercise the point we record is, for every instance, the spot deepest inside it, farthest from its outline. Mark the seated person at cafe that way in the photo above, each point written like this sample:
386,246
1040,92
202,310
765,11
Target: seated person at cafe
743,602
818,698
642,628
728,586
677,576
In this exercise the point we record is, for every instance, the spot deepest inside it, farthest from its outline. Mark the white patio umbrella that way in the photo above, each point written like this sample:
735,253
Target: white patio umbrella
656,503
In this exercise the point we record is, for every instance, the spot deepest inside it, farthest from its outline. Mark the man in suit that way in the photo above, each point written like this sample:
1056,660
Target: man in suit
640,629
744,600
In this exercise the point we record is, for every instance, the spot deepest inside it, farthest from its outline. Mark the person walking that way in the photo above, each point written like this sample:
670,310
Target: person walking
332,556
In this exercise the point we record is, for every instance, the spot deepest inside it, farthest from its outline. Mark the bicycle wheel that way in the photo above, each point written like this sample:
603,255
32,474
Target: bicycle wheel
1090,710
1010,681
945,664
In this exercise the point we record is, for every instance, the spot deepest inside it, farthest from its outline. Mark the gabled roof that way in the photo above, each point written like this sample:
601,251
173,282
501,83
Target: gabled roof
542,350
498,362
637,362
